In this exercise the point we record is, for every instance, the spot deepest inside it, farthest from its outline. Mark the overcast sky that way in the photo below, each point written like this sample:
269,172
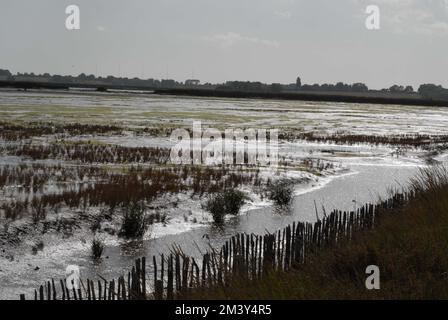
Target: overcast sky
323,41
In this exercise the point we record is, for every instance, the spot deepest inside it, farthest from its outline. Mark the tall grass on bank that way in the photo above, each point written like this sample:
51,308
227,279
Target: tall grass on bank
409,245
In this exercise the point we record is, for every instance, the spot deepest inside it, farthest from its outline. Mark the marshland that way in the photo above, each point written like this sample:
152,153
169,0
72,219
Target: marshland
86,177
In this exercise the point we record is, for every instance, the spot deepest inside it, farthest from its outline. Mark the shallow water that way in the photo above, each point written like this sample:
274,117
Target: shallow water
372,170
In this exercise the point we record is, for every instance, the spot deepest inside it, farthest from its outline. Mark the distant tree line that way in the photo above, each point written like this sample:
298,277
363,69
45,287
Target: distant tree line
432,91
400,89
428,91
92,79
298,86
340,87
254,86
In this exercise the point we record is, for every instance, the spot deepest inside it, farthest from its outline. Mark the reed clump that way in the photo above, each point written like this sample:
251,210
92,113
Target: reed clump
27,130
407,140
97,248
281,192
229,201
135,222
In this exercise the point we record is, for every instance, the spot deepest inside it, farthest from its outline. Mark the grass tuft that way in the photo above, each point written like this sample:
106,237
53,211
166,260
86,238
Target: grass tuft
97,248
135,222
228,202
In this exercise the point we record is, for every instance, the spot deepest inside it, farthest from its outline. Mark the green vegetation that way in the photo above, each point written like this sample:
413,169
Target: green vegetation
38,210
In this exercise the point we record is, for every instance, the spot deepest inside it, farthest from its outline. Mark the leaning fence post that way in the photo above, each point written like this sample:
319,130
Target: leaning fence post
169,292
144,277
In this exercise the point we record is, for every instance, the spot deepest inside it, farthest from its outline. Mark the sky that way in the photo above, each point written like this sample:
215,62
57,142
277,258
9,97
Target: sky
322,41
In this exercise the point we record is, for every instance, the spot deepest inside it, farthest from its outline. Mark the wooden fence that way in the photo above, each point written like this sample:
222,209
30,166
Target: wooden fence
243,256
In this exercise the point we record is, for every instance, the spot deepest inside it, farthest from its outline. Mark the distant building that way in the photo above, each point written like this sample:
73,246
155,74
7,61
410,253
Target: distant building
192,82
298,83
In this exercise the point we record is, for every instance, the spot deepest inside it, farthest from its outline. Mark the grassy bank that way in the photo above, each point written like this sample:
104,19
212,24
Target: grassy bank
410,246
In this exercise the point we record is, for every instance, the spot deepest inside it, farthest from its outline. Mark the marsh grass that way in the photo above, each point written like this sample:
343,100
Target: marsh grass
404,140
85,152
84,187
15,131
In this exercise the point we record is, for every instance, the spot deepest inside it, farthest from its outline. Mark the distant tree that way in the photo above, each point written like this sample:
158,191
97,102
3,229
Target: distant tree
315,87
409,89
340,86
359,87
396,89
60,79
327,87
5,73
432,91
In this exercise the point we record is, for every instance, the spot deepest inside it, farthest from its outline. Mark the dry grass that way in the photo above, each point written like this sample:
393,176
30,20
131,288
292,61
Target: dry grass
27,130
107,187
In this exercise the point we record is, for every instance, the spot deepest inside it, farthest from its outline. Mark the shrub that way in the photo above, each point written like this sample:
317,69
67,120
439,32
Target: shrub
228,202
97,248
135,222
281,192
234,200
215,205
